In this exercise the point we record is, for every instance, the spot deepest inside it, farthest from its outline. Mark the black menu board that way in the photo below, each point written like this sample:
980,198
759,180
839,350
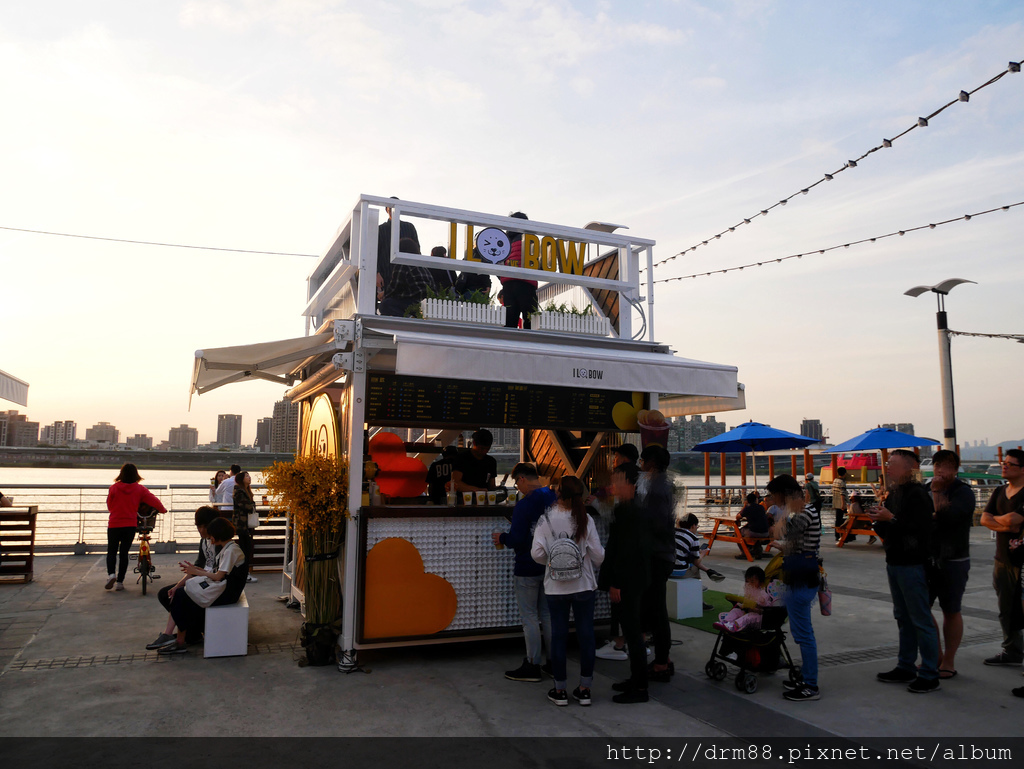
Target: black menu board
393,400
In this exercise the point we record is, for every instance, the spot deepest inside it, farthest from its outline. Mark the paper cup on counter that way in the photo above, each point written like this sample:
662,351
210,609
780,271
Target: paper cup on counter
492,497
481,498
467,498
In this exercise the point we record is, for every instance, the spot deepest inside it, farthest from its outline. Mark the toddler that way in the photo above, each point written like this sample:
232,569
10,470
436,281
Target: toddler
747,611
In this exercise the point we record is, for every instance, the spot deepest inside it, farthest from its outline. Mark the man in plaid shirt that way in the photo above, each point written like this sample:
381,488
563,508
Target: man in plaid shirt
406,284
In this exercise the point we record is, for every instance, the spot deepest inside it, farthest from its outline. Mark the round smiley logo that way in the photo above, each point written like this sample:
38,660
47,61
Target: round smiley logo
493,245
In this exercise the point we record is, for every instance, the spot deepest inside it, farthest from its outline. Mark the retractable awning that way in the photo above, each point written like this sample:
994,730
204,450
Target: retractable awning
13,389
272,361
598,365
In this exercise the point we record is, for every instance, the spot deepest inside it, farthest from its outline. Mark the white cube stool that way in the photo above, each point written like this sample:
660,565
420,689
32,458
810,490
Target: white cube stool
684,598
227,630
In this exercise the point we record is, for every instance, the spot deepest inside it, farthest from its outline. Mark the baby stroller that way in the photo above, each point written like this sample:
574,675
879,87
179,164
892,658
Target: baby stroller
753,651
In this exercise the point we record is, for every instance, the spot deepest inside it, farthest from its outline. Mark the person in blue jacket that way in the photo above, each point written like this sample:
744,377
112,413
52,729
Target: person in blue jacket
528,574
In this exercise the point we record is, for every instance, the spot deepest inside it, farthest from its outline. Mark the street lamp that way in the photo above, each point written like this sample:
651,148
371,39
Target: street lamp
945,364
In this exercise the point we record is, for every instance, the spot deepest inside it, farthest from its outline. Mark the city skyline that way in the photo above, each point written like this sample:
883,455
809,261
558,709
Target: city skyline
265,134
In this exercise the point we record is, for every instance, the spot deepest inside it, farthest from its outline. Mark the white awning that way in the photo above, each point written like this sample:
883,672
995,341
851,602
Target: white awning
688,405
594,366
13,389
273,361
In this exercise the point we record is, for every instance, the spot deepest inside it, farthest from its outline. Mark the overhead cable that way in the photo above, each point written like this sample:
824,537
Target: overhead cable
1015,337
763,262
151,243
963,96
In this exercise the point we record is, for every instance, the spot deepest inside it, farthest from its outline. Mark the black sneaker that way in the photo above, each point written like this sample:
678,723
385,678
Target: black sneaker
173,649
1004,658
923,685
789,686
581,695
715,576
897,676
623,686
802,693
631,696
525,672
161,641
706,606
559,697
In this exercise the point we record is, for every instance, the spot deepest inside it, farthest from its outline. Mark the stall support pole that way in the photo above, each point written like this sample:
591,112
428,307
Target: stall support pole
792,465
743,470
808,462
771,468
721,466
707,469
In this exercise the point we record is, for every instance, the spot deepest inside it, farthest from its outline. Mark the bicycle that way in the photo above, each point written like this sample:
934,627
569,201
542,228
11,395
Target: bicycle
145,568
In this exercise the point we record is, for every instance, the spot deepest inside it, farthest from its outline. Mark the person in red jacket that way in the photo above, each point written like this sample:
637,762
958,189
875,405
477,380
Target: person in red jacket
520,296
123,502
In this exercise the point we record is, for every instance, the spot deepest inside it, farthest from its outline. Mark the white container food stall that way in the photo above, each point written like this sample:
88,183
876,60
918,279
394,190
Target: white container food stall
416,573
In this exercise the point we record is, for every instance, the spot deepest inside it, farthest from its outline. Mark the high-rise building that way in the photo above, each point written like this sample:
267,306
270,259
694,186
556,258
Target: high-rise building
23,433
59,433
284,434
140,442
264,428
687,433
8,420
229,429
902,427
102,432
183,438
812,429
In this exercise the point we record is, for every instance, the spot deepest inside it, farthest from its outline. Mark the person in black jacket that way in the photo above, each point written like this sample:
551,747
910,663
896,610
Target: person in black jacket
405,230
905,524
951,552
626,575
658,507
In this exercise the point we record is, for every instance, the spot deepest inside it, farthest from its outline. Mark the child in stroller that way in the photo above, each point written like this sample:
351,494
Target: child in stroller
759,646
747,609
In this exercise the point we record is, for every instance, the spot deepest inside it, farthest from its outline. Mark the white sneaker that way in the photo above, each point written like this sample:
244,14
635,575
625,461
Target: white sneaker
111,579
251,578
610,652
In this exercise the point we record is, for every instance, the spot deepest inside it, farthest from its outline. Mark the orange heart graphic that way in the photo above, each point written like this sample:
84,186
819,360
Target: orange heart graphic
401,599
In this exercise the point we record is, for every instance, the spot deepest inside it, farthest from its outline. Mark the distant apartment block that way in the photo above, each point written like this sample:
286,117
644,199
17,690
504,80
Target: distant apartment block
59,433
812,429
264,429
183,438
23,433
284,434
687,433
902,427
103,432
229,429
8,421
140,442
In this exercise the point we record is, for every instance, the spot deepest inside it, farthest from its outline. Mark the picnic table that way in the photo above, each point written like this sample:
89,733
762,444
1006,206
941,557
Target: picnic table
731,533
855,523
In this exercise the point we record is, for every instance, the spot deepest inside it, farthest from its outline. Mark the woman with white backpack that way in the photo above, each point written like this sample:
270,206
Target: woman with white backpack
567,543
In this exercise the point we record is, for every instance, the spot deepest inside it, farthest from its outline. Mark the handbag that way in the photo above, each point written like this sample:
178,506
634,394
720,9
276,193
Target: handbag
204,591
254,520
825,597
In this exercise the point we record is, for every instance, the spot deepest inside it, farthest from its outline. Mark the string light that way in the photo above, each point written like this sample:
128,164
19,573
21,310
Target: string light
152,243
1014,337
963,96
779,260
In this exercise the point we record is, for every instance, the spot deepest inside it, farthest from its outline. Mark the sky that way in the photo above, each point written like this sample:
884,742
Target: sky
256,125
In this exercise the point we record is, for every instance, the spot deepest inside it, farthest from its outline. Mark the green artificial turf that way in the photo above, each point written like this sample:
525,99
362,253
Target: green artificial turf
718,603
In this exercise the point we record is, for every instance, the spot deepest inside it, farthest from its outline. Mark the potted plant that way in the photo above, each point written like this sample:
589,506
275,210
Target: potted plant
447,304
568,318
314,489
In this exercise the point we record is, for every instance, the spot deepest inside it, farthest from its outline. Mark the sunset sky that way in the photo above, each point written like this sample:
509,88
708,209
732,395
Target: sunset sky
256,125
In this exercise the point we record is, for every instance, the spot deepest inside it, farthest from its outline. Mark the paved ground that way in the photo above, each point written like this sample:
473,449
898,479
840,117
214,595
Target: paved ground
74,664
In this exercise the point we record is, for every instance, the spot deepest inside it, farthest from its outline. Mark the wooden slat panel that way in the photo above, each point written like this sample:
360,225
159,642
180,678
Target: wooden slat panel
608,301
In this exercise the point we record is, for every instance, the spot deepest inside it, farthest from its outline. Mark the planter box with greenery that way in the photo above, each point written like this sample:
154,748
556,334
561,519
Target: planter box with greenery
450,306
570,320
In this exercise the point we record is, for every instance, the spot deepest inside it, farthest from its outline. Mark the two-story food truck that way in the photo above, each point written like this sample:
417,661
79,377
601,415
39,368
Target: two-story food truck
573,386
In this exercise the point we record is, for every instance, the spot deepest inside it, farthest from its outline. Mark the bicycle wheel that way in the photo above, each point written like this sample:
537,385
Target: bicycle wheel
144,568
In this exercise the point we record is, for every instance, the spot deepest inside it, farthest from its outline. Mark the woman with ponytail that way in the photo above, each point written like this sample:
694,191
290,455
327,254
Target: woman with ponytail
566,542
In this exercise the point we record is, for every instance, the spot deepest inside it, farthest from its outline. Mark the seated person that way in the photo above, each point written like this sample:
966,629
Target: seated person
206,555
405,285
746,611
474,469
756,526
857,508
439,474
469,282
444,280
229,567
690,552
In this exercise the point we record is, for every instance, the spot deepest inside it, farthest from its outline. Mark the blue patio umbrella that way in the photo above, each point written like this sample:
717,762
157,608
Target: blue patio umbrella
881,438
753,437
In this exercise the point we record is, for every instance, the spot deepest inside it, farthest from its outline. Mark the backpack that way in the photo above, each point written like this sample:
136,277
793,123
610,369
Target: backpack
565,560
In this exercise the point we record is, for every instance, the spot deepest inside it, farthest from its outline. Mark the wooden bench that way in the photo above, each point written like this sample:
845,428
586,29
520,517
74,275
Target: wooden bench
227,630
855,523
17,543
